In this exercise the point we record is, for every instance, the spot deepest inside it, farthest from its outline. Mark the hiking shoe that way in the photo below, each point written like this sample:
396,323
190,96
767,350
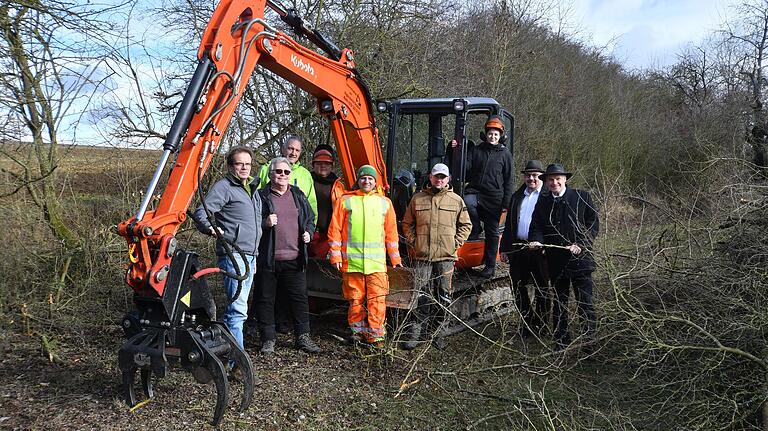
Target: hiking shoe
304,343
413,337
267,347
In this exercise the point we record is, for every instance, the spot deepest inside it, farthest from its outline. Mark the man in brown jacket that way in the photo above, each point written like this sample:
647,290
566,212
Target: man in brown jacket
435,225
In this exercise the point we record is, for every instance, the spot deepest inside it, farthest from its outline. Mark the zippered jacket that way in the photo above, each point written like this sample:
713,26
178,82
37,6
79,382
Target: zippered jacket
300,177
305,221
363,232
436,224
237,212
490,174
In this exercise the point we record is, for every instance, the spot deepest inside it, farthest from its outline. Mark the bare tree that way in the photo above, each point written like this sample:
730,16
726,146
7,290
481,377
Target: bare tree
50,72
749,33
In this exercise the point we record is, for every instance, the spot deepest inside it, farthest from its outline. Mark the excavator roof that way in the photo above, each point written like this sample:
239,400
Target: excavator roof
445,104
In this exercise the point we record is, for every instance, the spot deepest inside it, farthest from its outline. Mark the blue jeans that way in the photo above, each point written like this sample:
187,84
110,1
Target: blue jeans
236,312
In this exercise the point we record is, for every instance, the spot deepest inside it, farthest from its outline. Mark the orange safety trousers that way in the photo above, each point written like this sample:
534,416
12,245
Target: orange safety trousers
367,303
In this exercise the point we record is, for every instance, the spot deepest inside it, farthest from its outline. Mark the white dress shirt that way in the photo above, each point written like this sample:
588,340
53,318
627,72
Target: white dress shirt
526,212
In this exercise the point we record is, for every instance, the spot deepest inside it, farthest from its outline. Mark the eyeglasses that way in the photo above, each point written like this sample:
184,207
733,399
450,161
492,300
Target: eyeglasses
282,171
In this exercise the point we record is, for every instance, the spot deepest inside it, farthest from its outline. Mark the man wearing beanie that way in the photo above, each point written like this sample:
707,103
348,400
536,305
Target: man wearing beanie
362,232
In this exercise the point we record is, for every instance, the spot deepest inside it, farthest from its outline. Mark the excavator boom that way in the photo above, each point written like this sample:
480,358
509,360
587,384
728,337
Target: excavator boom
175,314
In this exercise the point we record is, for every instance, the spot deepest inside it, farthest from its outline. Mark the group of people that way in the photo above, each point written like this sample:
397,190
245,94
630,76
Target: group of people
548,236
276,222
290,214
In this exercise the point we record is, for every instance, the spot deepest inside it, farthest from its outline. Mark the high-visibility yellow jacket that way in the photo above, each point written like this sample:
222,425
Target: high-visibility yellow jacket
363,232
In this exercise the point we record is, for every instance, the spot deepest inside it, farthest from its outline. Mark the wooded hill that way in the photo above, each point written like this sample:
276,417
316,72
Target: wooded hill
674,157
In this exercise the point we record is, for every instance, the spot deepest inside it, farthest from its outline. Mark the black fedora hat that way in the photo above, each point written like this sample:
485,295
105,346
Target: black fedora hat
556,169
533,166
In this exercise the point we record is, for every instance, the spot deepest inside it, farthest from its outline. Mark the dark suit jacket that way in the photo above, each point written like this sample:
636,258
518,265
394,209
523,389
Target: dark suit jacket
573,219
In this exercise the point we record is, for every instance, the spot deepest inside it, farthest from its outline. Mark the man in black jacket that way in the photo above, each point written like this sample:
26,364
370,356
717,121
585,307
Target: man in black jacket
288,224
489,189
526,264
567,218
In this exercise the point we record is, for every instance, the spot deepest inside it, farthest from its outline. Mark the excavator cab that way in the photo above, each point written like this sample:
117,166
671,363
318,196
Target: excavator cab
420,134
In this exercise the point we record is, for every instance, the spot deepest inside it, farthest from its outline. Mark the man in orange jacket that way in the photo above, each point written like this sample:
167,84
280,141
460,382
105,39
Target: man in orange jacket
363,231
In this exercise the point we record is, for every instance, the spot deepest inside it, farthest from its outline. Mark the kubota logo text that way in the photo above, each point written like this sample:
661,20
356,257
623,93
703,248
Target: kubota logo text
300,64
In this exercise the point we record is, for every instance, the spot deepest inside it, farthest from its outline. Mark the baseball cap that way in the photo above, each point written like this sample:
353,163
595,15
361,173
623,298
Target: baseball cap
440,168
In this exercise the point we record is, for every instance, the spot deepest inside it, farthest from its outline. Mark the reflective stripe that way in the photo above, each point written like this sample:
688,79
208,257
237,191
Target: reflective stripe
335,243
373,244
392,244
364,255
335,253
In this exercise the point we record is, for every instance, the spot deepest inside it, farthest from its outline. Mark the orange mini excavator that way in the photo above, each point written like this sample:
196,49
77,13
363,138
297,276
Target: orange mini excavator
175,316
174,319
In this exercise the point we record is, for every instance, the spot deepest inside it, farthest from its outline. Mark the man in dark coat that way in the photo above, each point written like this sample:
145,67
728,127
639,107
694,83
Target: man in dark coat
525,263
490,180
567,218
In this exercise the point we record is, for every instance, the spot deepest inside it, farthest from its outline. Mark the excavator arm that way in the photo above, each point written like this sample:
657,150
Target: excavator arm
236,41
174,318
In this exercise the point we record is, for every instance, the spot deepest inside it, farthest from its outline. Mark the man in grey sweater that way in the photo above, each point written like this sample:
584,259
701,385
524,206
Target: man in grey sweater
236,206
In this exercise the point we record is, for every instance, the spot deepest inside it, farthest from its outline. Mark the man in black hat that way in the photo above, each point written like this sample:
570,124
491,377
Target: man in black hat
567,218
525,263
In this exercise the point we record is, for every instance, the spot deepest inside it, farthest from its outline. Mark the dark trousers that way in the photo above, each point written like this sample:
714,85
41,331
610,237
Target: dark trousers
290,280
490,224
527,265
582,289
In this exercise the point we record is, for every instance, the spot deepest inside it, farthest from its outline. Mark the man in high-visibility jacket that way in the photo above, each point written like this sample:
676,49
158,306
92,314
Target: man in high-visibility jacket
363,231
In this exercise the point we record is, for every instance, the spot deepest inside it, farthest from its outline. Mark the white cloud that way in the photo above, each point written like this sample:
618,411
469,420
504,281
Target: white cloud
647,33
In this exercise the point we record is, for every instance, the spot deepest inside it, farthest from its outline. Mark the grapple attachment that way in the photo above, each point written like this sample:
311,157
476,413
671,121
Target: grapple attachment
179,328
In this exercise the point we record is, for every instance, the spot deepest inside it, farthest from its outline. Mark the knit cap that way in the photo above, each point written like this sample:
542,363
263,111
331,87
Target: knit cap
367,170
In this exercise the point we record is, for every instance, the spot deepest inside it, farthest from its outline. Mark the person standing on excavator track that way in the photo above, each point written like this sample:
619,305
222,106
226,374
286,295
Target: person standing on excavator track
363,231
435,225
490,182
236,205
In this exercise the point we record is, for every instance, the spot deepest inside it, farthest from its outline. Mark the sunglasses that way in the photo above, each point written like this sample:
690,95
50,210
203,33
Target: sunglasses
282,171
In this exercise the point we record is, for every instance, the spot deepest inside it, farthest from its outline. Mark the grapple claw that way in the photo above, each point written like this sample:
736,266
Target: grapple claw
219,374
146,382
243,362
128,390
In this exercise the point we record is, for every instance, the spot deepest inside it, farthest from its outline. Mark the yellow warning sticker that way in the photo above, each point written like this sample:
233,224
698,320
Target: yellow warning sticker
185,299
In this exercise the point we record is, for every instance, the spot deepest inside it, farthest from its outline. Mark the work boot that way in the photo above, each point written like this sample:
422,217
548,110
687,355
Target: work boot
439,342
487,272
356,338
304,343
267,347
413,337
377,344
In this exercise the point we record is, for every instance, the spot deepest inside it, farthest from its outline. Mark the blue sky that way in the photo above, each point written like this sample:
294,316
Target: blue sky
646,33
